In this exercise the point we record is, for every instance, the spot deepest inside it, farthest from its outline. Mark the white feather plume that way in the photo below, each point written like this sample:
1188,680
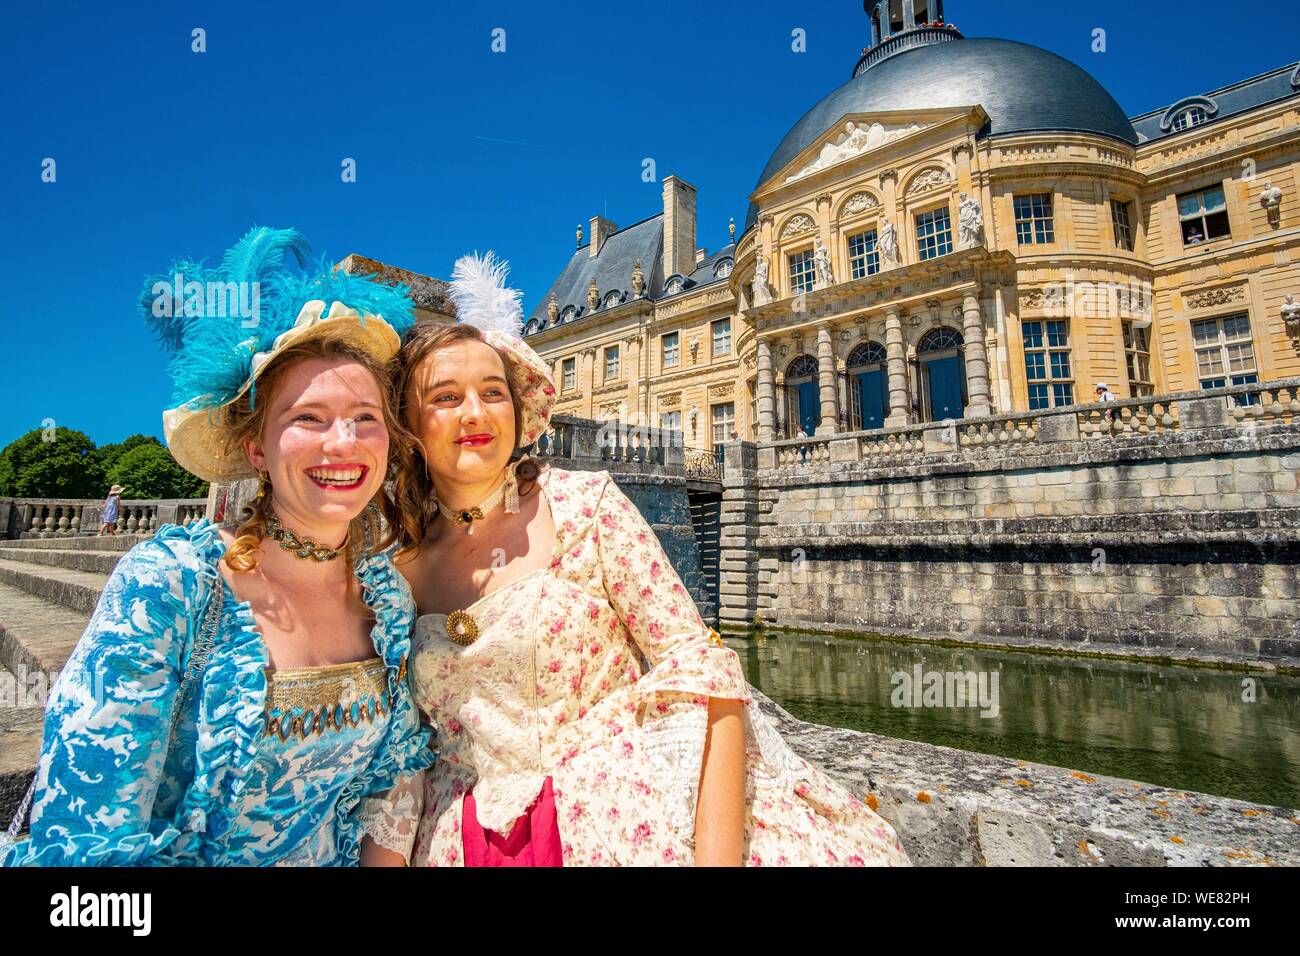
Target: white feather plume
478,289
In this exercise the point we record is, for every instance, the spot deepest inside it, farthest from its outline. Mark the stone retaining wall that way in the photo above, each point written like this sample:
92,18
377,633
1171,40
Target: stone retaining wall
1180,529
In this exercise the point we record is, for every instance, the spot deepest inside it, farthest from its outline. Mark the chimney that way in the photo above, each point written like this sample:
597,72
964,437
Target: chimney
601,229
700,255
679,227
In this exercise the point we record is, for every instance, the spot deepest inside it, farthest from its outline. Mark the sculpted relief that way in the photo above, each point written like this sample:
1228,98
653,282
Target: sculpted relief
855,140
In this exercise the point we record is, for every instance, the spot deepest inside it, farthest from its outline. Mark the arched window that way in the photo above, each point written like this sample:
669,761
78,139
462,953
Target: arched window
533,326
722,269
613,299
939,340
868,387
802,396
868,353
568,314
674,285
940,374
803,365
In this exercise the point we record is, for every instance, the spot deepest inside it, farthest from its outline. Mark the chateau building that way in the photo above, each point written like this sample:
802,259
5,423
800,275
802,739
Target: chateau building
966,227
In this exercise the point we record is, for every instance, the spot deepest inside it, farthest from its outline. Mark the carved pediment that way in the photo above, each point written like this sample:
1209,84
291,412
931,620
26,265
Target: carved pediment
797,226
851,139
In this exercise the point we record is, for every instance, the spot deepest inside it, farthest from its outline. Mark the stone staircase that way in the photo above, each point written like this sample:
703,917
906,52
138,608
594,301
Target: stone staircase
48,589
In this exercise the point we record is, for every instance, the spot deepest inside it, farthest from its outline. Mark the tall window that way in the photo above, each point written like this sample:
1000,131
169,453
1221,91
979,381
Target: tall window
570,374
1137,354
1204,215
611,363
1034,219
1047,363
722,337
1225,354
724,419
1121,217
671,352
802,272
864,260
1192,116
934,233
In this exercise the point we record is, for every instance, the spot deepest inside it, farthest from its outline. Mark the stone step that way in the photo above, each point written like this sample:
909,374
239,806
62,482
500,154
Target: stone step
36,634
76,590
96,562
20,747
113,542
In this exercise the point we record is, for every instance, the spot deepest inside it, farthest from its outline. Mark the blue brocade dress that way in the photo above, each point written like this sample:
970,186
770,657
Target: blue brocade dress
266,768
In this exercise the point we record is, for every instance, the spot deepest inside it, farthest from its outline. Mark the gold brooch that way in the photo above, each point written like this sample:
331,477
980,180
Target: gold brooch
462,628
715,638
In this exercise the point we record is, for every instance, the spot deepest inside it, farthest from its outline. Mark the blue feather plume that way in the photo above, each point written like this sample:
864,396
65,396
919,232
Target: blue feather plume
213,342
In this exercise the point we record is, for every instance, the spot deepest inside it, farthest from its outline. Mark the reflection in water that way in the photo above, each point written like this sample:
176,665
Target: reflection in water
1180,727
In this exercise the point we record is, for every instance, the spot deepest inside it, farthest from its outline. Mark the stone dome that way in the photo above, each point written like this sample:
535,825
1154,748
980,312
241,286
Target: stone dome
1022,88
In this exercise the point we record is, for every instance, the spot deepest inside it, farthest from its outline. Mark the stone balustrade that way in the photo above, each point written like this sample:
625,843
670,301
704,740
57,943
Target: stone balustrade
55,517
1243,407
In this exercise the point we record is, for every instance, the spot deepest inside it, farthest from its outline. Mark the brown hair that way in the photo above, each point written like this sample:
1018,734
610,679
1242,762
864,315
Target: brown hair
416,501
245,419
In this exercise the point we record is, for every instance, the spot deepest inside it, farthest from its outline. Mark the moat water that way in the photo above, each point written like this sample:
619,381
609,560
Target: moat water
1231,733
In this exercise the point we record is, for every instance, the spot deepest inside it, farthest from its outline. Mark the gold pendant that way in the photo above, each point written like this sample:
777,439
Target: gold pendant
462,628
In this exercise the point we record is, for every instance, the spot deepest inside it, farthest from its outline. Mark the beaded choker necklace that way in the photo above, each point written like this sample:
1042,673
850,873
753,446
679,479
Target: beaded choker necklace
304,548
507,490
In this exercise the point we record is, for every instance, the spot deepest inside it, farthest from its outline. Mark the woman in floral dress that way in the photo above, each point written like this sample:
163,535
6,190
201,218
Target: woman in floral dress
585,713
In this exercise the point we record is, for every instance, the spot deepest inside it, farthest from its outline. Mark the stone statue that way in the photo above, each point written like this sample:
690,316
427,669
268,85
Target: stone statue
887,243
1291,312
970,222
1271,200
638,280
553,309
762,291
593,295
822,259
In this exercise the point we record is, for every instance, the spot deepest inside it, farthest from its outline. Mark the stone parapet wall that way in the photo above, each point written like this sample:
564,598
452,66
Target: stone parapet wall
1172,530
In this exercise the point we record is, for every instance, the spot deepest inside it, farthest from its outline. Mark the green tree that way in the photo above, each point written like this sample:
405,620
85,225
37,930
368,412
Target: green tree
147,470
63,467
108,455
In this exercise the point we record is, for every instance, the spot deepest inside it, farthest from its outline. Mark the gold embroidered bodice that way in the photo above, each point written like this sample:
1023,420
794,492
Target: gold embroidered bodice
306,701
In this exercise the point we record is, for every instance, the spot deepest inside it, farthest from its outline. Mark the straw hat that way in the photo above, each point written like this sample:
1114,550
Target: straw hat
115,490
484,301
219,357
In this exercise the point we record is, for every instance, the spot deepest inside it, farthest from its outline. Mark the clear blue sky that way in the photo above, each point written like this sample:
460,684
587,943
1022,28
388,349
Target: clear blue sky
163,152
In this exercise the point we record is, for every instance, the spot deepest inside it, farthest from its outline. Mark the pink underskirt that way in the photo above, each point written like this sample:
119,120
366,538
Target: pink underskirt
534,840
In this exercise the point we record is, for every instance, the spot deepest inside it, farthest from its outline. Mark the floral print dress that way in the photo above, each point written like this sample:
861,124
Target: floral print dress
596,671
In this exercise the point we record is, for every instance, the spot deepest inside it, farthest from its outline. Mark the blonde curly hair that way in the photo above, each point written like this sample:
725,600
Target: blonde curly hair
374,529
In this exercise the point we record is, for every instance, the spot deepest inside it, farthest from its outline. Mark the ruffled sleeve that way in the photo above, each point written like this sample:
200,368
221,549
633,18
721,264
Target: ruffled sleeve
108,719
381,802
688,663
686,656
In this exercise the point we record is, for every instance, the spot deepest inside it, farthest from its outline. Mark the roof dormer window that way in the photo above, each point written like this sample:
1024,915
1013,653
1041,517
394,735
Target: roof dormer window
674,285
568,314
612,299
723,269
1192,116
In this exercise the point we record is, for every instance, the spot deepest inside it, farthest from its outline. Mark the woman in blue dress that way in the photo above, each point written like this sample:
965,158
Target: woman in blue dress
241,698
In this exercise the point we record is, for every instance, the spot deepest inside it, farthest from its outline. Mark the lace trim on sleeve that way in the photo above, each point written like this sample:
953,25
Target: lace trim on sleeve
391,819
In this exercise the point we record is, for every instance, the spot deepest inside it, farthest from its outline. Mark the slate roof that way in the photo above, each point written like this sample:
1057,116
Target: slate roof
1022,88
1237,98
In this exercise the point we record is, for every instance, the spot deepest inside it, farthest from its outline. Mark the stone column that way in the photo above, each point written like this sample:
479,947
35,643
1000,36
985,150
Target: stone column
830,423
909,15
896,362
766,394
977,363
